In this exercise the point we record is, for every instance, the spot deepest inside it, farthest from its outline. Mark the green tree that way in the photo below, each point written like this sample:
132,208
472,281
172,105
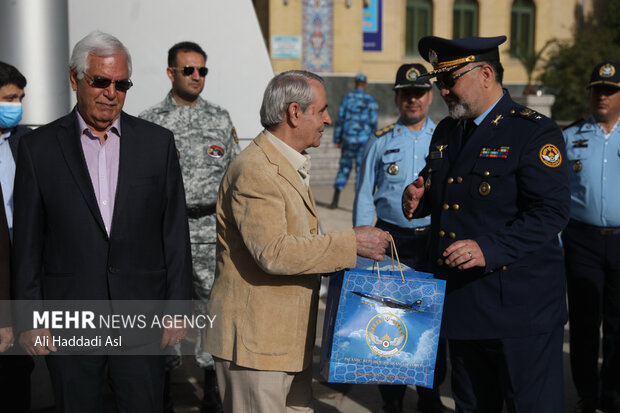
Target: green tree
567,69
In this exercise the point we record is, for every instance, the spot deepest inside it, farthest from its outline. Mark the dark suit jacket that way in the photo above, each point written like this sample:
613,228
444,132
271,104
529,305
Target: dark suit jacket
5,243
61,248
513,205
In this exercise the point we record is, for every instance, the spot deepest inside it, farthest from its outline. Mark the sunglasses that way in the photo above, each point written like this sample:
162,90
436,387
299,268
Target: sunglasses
449,81
189,70
99,82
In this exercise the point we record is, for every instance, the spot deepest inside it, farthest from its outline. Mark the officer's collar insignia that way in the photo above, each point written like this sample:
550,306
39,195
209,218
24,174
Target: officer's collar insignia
550,155
438,154
580,143
499,153
497,119
607,70
412,74
432,57
526,112
215,151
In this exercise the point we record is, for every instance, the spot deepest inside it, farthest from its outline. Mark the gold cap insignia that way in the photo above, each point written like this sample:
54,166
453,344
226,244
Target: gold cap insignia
412,74
607,70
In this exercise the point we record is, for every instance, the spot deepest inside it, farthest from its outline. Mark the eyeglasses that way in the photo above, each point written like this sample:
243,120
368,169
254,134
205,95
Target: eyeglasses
189,70
450,81
99,82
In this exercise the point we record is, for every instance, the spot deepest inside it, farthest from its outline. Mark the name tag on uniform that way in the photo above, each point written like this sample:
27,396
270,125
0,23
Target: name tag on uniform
392,151
580,143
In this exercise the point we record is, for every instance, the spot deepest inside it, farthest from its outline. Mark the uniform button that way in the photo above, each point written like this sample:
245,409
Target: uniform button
446,207
459,180
442,233
112,270
491,272
313,231
430,170
487,173
504,268
439,261
450,180
452,235
456,207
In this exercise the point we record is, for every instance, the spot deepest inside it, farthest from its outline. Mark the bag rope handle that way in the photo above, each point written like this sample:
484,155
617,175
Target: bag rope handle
393,252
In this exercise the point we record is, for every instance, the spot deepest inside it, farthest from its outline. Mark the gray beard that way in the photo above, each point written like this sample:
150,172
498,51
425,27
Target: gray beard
459,111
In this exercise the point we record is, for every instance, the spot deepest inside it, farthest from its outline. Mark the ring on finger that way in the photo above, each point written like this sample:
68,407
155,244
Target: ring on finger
470,255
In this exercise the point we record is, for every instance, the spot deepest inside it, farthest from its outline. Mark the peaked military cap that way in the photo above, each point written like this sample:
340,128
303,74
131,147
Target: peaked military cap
607,74
411,75
360,77
446,54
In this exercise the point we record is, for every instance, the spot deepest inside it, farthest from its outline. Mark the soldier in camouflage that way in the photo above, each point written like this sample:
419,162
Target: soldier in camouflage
357,120
207,144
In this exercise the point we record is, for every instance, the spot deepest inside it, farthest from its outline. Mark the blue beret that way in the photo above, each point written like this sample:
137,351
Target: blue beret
360,77
446,54
605,74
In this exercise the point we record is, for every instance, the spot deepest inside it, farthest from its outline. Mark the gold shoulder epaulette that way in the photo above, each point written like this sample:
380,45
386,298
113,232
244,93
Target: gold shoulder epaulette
526,113
381,132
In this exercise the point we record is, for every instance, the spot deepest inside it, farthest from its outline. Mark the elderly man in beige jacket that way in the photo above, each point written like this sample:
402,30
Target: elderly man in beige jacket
270,254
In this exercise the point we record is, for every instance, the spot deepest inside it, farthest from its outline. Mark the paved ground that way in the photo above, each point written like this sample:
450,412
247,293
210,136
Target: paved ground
187,380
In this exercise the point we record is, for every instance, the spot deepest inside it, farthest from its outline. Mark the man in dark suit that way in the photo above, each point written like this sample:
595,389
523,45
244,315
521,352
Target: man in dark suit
100,214
496,186
15,368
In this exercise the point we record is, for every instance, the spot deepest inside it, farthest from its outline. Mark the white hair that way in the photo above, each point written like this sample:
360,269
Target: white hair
97,44
284,89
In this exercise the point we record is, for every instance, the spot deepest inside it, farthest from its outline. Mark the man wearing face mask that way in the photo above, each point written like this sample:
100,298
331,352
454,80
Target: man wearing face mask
12,84
14,369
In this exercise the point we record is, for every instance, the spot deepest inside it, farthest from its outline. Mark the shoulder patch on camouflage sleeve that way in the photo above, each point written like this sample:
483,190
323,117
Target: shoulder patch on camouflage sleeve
234,135
382,132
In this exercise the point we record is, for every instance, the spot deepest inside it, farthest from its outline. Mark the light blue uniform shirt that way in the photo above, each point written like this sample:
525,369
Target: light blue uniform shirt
7,178
594,173
396,148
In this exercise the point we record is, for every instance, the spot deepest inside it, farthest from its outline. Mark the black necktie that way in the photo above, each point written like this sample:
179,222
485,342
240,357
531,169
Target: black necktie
470,127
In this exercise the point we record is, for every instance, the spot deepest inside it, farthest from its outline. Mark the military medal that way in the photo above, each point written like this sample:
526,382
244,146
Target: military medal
484,189
393,169
577,166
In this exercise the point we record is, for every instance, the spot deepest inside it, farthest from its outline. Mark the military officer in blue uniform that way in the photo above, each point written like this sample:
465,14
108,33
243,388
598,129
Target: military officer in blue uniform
496,186
357,120
393,157
592,244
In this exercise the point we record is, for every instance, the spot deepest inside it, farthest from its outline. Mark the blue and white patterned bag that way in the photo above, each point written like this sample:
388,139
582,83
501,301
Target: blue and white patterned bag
381,326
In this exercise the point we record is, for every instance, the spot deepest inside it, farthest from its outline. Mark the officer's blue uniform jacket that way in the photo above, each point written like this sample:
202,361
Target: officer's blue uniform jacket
594,170
357,118
508,190
393,157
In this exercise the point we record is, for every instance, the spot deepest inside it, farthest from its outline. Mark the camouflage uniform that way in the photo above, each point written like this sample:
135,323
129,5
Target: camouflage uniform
357,120
207,144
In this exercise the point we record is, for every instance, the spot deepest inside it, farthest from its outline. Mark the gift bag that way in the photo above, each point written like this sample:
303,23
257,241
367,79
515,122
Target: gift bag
381,325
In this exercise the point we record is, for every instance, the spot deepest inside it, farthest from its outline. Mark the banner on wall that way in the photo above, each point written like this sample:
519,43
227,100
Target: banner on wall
372,23
285,47
318,35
